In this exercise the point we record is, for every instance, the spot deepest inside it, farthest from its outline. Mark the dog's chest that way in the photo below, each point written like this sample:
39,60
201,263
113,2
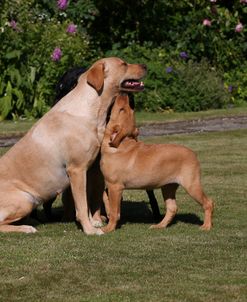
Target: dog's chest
115,165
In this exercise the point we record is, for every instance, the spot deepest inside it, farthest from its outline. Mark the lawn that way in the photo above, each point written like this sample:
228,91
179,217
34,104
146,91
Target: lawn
134,263
150,117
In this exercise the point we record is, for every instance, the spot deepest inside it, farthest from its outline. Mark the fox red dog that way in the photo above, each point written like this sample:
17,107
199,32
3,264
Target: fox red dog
129,164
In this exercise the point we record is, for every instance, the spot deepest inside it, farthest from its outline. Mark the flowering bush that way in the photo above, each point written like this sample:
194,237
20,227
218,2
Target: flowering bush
178,40
37,47
215,30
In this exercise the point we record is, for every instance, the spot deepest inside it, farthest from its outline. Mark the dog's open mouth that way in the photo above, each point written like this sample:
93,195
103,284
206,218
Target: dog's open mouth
132,85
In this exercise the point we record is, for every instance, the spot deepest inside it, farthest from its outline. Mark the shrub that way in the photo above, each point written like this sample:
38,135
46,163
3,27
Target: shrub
214,30
206,33
174,82
202,28
195,87
236,84
28,71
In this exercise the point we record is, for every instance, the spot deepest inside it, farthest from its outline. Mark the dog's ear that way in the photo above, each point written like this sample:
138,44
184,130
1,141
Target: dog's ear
95,77
117,135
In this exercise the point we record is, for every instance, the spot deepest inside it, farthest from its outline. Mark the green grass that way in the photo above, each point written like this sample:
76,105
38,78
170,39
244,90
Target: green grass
144,117
15,128
180,263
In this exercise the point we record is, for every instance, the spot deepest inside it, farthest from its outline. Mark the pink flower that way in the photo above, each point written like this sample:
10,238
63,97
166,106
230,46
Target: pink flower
13,24
71,29
57,54
243,1
213,1
62,4
239,27
206,22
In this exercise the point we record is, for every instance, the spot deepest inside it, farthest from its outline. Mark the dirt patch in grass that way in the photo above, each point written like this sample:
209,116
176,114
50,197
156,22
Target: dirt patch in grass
8,141
196,125
169,128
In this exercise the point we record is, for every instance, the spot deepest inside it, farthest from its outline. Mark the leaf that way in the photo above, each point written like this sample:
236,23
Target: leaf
2,85
9,89
5,106
32,74
6,102
15,77
13,54
20,98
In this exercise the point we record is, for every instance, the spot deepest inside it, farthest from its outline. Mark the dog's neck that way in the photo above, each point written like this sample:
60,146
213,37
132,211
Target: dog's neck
101,126
102,115
93,108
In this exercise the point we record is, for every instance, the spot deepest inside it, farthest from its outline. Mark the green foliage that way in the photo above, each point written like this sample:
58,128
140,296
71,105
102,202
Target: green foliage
153,32
195,87
174,83
177,24
28,73
236,83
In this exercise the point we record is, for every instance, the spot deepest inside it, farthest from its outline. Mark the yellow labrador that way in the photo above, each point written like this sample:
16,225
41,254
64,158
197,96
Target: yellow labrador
62,145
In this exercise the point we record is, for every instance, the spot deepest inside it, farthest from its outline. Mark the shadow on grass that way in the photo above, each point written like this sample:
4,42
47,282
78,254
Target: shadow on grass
131,212
136,212
139,212
187,218
39,216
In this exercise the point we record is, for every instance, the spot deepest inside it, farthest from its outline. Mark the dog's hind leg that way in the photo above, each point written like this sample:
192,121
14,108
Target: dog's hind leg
194,189
47,206
68,206
169,195
154,204
196,192
17,229
13,209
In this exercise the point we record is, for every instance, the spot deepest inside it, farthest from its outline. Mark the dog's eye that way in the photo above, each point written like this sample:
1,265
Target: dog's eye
121,109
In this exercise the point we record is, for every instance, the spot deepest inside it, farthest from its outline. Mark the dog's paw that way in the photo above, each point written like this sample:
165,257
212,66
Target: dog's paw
93,231
206,227
97,223
28,229
153,226
107,229
100,232
157,226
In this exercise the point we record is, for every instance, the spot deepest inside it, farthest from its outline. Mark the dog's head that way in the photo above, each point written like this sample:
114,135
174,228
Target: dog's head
122,120
67,82
116,75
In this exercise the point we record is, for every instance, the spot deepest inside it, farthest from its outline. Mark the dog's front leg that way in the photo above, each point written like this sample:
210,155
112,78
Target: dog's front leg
114,202
77,176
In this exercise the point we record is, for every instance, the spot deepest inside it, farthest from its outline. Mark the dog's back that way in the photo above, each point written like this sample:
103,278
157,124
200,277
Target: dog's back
147,166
